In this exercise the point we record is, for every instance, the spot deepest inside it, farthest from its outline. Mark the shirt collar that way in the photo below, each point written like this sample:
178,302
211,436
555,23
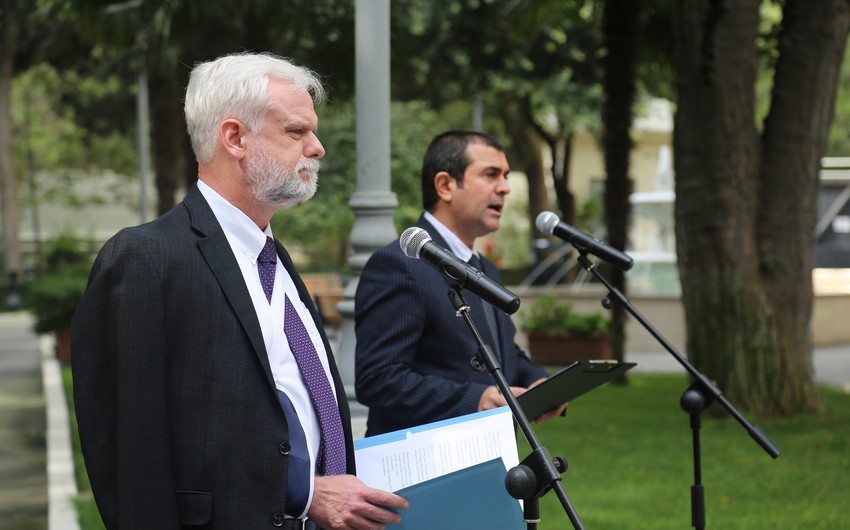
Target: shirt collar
457,246
238,227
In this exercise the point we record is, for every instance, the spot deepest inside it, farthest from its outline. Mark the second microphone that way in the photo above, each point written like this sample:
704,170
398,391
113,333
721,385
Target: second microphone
417,244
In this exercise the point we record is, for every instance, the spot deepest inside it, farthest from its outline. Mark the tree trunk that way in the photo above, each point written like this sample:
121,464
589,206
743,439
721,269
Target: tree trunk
619,26
169,154
745,204
525,148
811,46
12,263
562,151
561,147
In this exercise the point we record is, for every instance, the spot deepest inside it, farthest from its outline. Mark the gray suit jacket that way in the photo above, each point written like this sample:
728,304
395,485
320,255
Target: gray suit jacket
412,358
179,419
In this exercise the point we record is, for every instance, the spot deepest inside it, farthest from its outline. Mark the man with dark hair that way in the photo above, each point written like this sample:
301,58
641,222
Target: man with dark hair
412,357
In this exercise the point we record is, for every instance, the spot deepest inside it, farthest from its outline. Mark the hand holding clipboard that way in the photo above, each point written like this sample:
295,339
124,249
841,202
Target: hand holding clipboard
568,384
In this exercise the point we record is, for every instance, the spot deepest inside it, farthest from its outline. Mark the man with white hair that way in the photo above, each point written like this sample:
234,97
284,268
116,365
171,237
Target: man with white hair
206,391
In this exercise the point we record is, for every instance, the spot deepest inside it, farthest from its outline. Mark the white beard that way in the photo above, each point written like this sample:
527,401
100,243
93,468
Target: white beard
278,185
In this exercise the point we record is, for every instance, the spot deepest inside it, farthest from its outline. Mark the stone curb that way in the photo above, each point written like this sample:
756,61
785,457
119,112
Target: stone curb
61,484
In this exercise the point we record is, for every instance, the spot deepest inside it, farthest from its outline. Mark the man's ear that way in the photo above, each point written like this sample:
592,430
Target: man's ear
445,186
233,135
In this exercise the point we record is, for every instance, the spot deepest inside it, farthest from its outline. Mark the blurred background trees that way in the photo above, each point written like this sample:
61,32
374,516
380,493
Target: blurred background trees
532,73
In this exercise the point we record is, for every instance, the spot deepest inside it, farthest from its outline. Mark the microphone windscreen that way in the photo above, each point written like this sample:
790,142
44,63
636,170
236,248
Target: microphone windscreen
412,240
546,222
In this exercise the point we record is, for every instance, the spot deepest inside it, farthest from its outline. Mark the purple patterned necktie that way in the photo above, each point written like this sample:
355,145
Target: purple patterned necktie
331,460
332,451
266,264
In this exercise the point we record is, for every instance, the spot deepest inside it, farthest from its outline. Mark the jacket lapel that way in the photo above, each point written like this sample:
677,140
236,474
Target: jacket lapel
472,299
219,257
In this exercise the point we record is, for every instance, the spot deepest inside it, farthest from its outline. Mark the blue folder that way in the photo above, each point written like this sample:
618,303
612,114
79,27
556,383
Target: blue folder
474,497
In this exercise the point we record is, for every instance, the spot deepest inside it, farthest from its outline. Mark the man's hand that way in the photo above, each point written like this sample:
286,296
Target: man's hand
492,398
554,413
343,502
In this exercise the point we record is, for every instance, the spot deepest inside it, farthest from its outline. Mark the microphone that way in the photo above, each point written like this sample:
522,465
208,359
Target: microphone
417,244
549,223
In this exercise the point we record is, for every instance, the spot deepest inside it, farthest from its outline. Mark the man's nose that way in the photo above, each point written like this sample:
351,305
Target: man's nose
314,148
503,187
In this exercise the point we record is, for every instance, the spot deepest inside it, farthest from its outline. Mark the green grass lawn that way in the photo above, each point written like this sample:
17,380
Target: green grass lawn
630,457
87,513
631,465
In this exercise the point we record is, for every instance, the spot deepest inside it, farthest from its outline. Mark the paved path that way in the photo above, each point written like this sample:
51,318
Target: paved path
23,462
34,435
832,364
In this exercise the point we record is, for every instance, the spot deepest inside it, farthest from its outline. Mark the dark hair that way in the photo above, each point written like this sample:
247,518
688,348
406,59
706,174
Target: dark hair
447,152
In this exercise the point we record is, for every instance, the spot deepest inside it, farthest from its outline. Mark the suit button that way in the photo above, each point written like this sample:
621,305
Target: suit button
277,519
284,448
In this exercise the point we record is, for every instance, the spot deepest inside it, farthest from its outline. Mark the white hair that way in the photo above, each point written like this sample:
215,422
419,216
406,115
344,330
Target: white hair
236,86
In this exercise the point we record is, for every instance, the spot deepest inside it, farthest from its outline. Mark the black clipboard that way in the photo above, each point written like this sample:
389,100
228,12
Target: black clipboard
568,384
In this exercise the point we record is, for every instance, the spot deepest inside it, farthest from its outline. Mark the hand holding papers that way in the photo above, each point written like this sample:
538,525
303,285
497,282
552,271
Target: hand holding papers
445,469
399,459
453,471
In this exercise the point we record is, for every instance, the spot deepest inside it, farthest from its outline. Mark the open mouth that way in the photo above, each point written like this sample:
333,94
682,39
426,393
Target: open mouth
496,208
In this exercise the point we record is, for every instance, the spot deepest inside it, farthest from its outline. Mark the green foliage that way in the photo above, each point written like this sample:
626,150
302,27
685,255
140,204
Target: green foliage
549,315
839,133
590,217
87,513
541,52
414,124
65,120
470,47
67,131
54,296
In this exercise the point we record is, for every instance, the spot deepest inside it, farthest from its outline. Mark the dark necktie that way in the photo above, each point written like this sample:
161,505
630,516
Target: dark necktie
331,460
332,451
266,265
487,309
298,476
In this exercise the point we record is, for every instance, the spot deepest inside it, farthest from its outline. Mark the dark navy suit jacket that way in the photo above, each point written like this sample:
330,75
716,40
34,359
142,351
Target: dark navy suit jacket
178,414
412,357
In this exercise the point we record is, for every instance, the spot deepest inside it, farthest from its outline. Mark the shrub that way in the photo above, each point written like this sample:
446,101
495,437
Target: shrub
549,315
54,296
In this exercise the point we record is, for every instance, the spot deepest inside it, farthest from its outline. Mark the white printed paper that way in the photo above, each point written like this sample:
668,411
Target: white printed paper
400,459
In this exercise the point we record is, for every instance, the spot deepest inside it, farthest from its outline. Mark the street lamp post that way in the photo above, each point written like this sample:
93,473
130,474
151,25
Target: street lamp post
142,104
373,203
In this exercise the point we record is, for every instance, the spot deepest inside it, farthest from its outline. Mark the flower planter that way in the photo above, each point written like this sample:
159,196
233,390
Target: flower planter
562,349
63,346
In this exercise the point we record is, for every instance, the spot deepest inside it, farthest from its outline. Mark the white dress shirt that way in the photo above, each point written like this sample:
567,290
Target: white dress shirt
457,246
247,240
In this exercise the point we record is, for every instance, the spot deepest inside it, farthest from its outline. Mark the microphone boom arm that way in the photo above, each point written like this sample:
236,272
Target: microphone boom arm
694,400
544,470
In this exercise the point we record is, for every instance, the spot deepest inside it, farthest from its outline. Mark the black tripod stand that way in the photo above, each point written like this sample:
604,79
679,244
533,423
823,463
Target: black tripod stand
694,400
538,472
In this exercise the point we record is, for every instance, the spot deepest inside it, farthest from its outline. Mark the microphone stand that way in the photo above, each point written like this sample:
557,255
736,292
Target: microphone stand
693,401
539,472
